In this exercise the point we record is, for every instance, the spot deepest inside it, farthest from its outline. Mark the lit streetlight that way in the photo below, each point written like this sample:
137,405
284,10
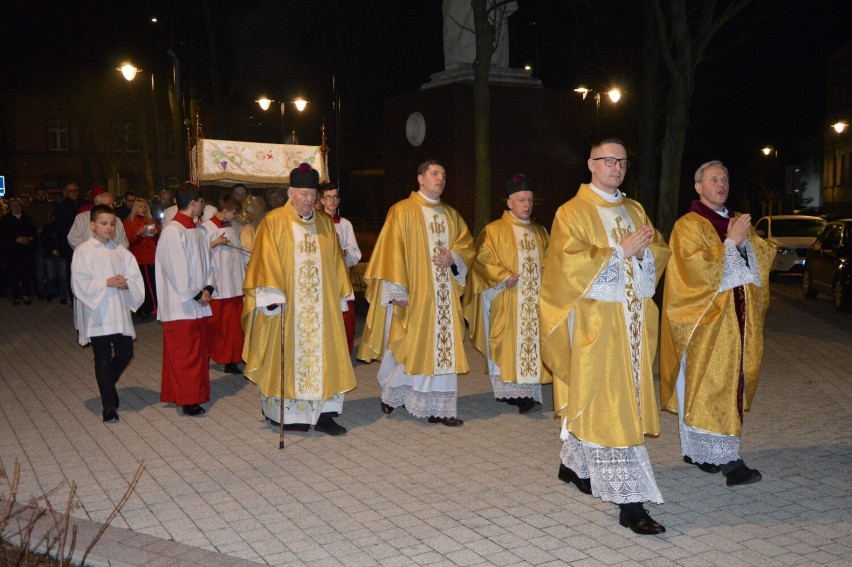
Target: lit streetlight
300,105
614,95
840,126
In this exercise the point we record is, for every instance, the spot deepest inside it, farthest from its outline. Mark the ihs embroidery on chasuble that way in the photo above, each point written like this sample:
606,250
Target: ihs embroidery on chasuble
436,225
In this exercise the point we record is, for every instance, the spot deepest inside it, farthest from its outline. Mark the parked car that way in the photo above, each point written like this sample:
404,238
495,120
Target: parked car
791,236
827,268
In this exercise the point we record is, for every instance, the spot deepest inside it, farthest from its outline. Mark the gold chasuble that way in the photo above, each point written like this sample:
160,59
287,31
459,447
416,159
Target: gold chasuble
700,322
301,259
509,246
426,336
599,333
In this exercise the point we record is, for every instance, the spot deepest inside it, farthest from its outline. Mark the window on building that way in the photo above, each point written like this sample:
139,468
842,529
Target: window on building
57,135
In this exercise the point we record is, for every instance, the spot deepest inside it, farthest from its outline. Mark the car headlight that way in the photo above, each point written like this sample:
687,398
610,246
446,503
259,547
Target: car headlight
786,251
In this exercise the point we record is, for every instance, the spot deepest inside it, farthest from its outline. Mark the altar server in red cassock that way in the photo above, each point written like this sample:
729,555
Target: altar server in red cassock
185,288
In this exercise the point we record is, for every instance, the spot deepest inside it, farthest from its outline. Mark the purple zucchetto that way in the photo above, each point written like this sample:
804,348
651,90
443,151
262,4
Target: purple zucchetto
304,177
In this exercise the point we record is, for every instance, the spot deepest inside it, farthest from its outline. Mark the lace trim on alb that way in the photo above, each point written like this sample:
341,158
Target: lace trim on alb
421,404
647,275
737,272
609,285
705,447
617,474
392,291
461,268
513,390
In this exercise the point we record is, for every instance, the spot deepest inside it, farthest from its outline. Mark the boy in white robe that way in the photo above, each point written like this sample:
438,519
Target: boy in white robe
108,286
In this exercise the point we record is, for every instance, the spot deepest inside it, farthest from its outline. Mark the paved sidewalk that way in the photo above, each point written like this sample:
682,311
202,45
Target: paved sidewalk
398,491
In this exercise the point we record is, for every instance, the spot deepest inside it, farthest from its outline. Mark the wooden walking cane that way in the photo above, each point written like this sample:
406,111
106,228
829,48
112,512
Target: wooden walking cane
281,395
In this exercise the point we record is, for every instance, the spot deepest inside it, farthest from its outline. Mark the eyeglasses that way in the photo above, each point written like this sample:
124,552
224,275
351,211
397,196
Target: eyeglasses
611,161
332,197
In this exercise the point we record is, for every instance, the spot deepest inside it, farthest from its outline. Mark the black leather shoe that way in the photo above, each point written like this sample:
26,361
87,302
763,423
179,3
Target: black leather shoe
448,421
706,467
193,410
386,409
111,416
584,485
742,475
232,368
325,424
640,522
527,405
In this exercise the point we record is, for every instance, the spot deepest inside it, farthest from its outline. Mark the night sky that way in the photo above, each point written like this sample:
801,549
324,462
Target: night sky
764,83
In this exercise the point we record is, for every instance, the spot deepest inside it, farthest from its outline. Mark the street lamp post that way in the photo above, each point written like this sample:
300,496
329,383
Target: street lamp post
614,95
771,178
300,105
129,71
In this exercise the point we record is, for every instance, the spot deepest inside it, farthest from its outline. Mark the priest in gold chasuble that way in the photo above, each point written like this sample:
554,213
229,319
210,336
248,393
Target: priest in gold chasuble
501,300
415,280
297,272
716,297
599,338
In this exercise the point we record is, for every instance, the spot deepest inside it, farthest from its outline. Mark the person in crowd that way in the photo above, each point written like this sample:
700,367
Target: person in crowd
240,193
142,232
89,202
330,198
65,213
126,207
224,329
275,198
17,237
163,201
55,265
415,324
501,300
81,229
39,210
295,288
599,338
184,275
714,307
107,286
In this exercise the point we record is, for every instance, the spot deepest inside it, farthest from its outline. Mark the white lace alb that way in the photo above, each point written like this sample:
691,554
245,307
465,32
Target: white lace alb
617,474
421,404
705,447
737,271
393,291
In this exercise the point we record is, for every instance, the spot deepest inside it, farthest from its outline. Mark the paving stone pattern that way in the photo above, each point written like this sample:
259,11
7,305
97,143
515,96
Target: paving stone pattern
397,491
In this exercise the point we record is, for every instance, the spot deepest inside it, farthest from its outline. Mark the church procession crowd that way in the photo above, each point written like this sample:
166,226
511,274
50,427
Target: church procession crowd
574,308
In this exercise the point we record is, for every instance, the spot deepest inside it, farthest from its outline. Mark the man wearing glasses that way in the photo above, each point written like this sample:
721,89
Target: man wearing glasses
599,337
330,199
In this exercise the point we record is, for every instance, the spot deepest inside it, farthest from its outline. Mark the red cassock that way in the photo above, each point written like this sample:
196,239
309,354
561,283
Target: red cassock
224,330
185,378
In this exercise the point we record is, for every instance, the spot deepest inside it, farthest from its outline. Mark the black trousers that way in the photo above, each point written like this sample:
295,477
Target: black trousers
112,355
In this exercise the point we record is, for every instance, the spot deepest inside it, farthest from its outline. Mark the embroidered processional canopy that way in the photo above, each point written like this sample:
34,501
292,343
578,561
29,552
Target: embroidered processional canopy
230,162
